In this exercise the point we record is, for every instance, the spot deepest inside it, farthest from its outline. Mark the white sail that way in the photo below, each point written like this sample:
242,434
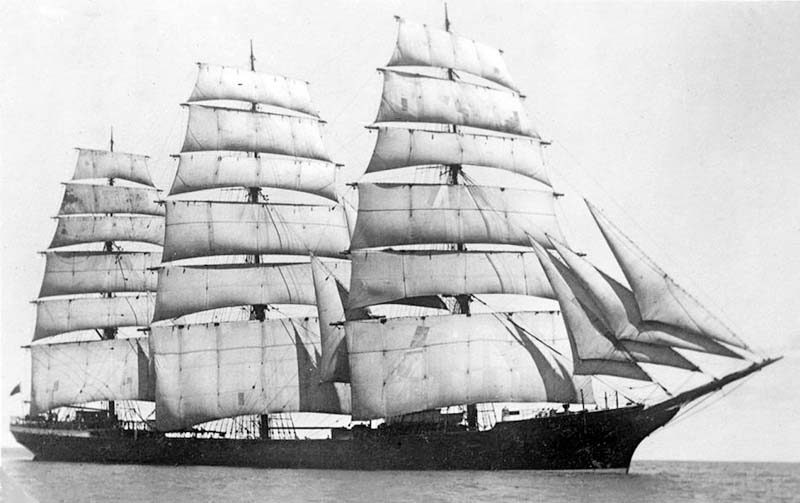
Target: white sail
659,298
58,316
201,229
616,306
93,164
400,214
215,82
85,198
212,371
246,131
190,289
409,97
422,45
592,352
68,273
79,229
386,276
81,372
404,365
331,297
210,170
400,147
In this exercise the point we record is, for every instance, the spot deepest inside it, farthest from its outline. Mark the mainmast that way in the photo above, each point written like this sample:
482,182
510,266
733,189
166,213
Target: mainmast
249,148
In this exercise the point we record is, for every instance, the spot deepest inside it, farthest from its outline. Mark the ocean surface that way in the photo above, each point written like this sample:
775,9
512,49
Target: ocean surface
23,480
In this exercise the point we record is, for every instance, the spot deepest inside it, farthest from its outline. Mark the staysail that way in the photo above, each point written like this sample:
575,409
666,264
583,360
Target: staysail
659,298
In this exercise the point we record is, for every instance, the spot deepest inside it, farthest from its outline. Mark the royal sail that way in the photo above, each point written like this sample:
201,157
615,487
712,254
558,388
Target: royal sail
422,45
216,82
97,164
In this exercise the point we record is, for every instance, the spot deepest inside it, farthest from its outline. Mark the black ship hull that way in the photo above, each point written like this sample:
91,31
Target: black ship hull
603,439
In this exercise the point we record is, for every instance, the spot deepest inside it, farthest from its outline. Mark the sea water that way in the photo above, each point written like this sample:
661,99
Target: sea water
648,481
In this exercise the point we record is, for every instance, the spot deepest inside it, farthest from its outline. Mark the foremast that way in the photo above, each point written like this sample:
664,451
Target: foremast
246,131
398,366
88,295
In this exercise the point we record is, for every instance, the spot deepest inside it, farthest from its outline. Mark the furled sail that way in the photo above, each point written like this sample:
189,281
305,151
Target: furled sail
409,97
77,229
404,365
215,82
331,297
58,316
422,45
93,164
68,273
617,308
190,289
400,147
399,214
386,276
659,298
212,371
247,131
81,372
212,170
85,198
201,229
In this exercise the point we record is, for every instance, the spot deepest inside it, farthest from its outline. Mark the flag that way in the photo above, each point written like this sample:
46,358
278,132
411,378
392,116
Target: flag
16,390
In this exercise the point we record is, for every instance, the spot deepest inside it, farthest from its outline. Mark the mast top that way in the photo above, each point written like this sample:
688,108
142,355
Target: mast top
111,140
252,57
446,19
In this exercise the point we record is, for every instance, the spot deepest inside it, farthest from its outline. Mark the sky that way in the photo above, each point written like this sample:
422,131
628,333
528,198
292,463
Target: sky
680,119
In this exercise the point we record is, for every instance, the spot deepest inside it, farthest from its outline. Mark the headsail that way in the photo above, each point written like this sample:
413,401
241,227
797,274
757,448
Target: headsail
659,298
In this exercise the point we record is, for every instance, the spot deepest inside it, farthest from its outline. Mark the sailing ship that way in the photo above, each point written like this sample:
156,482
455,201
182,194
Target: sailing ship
269,311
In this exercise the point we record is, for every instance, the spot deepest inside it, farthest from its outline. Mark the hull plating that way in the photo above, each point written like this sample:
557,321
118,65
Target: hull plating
603,439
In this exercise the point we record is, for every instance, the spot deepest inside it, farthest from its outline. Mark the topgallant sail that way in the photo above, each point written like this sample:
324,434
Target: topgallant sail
397,324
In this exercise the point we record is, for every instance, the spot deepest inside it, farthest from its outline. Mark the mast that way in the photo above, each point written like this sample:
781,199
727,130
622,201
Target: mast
462,301
248,148
119,284
108,246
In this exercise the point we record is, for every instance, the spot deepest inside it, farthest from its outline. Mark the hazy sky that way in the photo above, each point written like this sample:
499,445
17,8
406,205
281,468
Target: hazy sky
681,119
